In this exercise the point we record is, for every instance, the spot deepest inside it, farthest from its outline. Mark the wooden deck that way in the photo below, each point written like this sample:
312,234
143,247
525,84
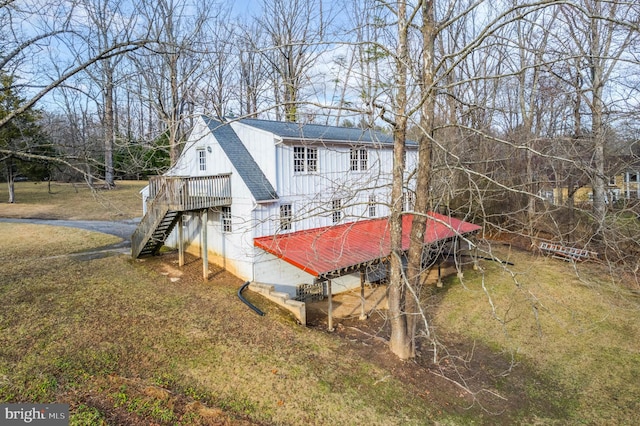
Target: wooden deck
169,198
190,193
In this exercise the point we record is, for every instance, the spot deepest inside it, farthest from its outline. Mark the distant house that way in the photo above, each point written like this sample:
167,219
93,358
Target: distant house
626,184
623,184
282,204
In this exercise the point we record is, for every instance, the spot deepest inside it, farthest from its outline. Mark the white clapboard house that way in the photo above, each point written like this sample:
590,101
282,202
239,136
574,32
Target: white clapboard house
283,204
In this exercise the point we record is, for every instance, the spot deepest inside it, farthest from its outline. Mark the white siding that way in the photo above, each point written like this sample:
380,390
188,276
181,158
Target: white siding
234,251
187,164
261,145
286,278
310,195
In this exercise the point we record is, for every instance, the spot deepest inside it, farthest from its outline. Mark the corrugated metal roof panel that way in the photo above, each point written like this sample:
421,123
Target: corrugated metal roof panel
325,250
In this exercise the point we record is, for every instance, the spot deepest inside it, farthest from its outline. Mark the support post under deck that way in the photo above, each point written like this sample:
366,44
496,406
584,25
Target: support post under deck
181,241
330,308
205,248
363,315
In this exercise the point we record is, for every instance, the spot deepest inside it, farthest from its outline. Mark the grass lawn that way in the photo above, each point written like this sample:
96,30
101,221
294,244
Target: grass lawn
146,342
578,329
72,201
124,344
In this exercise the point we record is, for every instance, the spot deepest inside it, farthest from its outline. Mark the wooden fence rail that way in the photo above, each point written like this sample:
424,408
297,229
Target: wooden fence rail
191,193
169,198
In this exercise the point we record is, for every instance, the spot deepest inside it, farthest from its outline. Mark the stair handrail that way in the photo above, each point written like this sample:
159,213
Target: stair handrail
143,233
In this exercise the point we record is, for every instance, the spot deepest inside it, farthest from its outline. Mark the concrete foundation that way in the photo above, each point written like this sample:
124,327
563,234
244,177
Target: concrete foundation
297,308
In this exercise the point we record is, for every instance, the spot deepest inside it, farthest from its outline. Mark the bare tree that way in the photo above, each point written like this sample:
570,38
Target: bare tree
172,66
601,33
50,25
251,69
108,23
401,303
296,32
221,60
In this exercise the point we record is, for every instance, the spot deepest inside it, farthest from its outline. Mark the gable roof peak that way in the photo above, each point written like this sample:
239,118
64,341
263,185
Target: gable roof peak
247,167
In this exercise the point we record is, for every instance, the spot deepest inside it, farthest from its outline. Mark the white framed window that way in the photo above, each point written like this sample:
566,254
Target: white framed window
305,159
359,159
286,217
336,210
372,205
202,160
225,218
409,201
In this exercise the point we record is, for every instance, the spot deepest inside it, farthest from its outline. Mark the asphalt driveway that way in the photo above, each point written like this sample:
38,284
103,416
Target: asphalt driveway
122,229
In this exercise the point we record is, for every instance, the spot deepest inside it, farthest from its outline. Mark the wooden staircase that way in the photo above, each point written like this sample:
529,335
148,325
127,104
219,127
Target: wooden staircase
169,198
157,227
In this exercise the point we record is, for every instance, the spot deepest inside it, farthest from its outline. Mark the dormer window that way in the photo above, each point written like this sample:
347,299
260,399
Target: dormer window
305,159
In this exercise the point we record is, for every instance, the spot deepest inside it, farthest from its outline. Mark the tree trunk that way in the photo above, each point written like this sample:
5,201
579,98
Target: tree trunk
174,148
597,130
10,181
599,207
12,191
400,342
109,127
423,175
571,207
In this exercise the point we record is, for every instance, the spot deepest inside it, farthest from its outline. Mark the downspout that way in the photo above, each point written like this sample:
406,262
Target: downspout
246,302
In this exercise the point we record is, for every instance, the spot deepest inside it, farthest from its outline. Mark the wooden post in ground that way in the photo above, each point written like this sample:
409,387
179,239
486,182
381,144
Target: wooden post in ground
439,282
459,265
475,257
330,308
363,315
181,241
205,249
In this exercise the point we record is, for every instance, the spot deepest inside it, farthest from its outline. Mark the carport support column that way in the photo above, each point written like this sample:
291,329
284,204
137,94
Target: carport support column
475,253
363,315
330,308
205,249
181,241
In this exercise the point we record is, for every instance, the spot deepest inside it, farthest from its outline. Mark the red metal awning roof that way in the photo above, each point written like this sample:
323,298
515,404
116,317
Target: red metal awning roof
321,251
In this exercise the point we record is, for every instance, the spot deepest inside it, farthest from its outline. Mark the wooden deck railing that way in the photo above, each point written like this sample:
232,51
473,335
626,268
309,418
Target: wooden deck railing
191,193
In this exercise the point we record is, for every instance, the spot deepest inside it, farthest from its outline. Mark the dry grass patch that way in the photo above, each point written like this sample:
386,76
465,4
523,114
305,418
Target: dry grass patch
123,344
74,201
574,325
29,242
142,342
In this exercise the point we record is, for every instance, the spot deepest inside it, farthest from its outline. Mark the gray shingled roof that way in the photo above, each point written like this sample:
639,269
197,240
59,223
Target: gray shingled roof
242,160
317,132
